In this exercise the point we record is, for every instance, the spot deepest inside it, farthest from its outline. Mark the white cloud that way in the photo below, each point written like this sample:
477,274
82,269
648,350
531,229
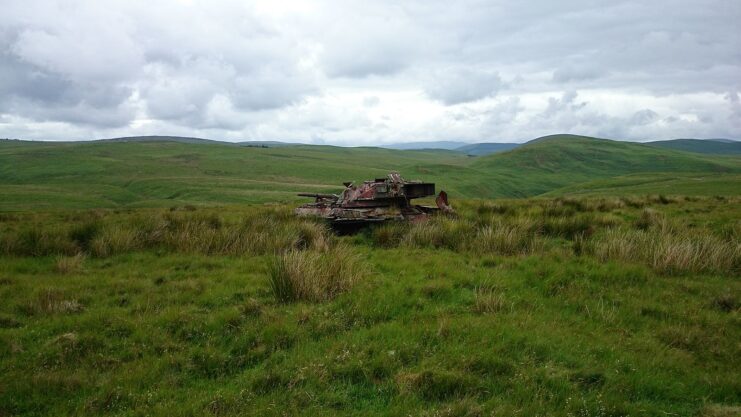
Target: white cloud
462,85
367,72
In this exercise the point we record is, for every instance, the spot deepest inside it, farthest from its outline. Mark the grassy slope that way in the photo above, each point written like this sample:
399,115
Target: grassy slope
165,173
178,332
698,183
189,329
115,174
559,161
479,149
700,146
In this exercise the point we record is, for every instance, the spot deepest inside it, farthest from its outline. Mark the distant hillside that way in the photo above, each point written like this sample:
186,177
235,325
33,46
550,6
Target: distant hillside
449,145
161,172
478,149
556,161
697,183
164,173
267,143
178,139
184,139
711,146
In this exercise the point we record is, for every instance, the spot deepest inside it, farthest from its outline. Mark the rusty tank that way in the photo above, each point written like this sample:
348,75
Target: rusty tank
376,201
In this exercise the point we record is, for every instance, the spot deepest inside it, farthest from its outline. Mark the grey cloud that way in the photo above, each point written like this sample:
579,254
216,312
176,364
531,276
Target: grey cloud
86,56
270,89
462,85
381,60
565,103
735,106
502,114
651,45
576,73
19,79
371,101
73,64
368,39
41,95
178,98
643,117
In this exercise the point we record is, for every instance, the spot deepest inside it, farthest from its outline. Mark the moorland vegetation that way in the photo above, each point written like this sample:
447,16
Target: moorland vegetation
568,306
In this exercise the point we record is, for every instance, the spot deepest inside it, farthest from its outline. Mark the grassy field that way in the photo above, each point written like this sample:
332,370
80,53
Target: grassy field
566,307
713,146
161,174
709,184
172,279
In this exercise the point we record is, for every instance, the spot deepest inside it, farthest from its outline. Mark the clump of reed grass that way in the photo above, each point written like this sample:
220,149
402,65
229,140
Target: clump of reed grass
440,232
82,234
488,208
725,303
438,385
669,252
609,204
311,235
488,300
38,241
390,234
506,239
52,301
69,264
662,199
568,226
634,202
310,275
649,218
210,234
113,240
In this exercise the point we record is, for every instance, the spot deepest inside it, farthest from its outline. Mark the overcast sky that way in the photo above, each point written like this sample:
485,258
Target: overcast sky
369,72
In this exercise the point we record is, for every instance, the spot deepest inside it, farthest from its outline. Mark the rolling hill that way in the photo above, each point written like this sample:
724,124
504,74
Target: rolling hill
443,144
157,138
478,149
552,162
709,146
165,173
162,173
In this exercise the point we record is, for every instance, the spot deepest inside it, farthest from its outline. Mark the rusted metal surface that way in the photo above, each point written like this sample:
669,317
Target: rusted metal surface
375,201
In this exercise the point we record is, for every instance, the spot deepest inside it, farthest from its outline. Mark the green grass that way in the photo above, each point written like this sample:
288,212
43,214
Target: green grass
698,183
554,162
701,146
162,174
526,307
165,278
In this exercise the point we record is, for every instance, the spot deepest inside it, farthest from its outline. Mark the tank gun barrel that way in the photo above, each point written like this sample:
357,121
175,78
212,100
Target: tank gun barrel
319,195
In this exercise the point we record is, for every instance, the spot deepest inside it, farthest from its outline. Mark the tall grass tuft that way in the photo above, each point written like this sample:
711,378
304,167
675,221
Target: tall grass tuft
649,218
69,264
390,234
314,276
506,239
113,240
259,233
440,232
38,241
51,301
83,234
487,301
569,226
312,235
667,252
